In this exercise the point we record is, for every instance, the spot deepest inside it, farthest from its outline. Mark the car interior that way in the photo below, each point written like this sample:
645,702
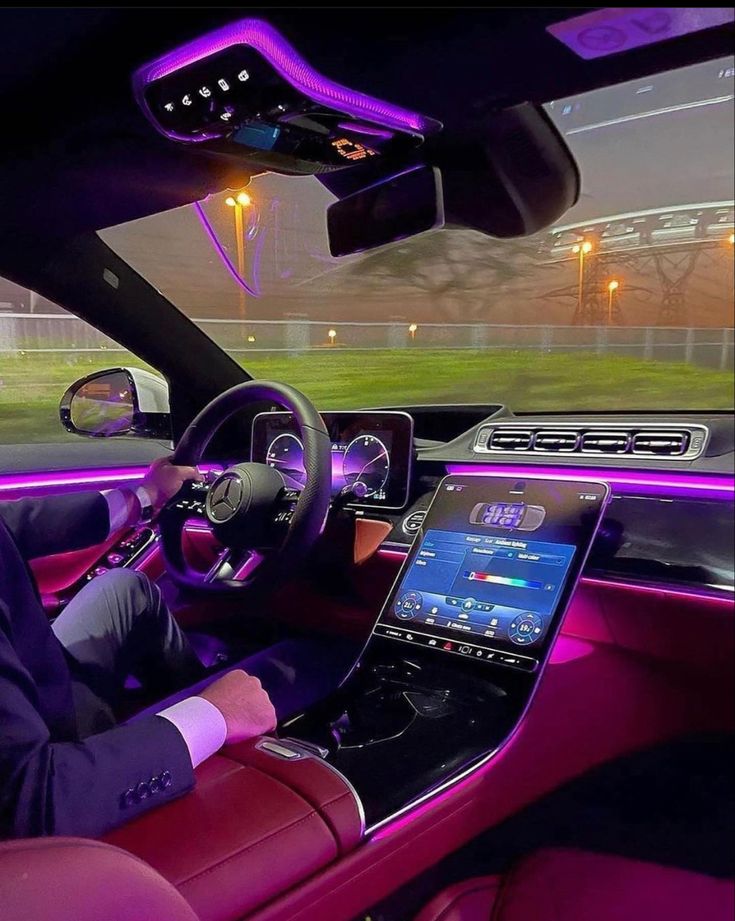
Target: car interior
300,250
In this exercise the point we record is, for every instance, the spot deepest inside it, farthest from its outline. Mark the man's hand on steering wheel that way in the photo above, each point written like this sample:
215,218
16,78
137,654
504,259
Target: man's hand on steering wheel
164,479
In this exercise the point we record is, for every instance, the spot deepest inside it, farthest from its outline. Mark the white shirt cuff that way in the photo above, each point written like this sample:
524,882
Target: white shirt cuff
118,505
201,725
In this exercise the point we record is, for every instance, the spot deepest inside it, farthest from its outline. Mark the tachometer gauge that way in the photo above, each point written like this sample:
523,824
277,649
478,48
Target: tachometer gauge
366,460
286,454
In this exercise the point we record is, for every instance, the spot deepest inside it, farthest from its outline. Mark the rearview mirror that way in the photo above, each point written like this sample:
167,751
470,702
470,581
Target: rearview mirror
508,174
401,206
117,401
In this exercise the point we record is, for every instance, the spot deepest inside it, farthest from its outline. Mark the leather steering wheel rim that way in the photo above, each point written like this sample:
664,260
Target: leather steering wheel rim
312,505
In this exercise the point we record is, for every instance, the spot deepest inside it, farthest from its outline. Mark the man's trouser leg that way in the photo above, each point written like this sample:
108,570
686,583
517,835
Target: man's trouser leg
119,625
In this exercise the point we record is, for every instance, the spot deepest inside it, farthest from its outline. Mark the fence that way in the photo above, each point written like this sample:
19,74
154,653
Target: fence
705,347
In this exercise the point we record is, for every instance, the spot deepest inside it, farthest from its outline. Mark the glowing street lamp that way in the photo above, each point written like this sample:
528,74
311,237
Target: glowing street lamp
612,287
239,202
332,336
412,331
582,249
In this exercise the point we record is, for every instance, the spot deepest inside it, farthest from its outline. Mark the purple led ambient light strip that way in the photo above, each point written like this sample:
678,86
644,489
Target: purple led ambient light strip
15,482
94,476
290,65
649,482
222,252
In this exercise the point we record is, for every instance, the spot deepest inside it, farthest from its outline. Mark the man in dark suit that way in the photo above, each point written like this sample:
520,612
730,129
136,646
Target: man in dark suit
66,768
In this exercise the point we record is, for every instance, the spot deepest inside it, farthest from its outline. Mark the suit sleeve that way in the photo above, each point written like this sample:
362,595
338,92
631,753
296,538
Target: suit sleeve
79,788
57,524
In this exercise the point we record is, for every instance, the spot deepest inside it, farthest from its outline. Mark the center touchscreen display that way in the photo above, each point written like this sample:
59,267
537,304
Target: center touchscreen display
493,567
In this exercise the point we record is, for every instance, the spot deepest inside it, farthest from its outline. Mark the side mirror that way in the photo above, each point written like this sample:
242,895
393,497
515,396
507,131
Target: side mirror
117,401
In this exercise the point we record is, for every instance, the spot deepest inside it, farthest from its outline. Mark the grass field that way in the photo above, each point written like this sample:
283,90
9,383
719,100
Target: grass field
31,385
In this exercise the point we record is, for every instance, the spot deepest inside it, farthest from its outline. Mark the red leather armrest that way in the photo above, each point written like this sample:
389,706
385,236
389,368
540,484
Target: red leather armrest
248,832
316,782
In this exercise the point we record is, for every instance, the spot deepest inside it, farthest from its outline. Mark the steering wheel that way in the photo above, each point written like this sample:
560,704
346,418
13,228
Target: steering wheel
266,528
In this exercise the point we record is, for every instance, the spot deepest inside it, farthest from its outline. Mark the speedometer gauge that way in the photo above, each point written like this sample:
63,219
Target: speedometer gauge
286,454
366,460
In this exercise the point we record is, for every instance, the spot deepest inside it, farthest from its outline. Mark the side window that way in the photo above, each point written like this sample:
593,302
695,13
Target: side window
44,349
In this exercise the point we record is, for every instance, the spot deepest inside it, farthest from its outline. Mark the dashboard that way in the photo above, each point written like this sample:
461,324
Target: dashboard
670,521
371,453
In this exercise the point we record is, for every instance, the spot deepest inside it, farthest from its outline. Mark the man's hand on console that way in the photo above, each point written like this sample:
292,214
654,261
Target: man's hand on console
243,703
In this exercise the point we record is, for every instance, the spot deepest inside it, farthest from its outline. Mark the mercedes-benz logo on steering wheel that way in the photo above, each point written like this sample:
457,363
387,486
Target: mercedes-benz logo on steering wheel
224,498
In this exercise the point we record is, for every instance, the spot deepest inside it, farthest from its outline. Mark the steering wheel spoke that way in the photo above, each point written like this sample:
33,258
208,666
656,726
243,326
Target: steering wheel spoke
233,565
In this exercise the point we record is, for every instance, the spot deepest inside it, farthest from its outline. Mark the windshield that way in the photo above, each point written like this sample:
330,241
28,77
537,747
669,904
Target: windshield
627,303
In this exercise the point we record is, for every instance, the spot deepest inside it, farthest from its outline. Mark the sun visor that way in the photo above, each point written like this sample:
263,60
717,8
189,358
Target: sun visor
600,33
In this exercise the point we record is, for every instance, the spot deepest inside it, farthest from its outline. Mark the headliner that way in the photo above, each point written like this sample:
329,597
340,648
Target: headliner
92,148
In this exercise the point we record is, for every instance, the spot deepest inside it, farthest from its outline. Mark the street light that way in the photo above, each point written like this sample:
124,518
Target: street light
239,202
412,330
612,287
332,336
583,249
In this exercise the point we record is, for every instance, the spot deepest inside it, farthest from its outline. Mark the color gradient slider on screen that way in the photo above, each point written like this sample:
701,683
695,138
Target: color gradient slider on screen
501,580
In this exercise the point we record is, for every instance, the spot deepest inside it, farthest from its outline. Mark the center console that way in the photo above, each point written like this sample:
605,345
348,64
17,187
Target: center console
461,641
445,677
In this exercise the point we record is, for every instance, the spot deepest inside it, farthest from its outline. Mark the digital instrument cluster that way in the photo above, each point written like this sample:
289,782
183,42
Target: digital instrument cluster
371,453
493,567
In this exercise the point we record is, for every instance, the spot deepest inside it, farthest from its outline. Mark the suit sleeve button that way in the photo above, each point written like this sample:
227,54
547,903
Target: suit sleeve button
166,779
142,791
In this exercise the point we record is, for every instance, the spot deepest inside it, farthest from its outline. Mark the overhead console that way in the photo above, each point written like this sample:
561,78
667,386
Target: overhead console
244,90
460,643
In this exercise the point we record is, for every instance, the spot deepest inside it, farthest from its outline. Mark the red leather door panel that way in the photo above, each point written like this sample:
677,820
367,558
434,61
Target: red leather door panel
55,573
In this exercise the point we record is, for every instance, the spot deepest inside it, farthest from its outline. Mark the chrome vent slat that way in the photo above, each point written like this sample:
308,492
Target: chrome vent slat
660,444
511,440
556,442
605,442
594,440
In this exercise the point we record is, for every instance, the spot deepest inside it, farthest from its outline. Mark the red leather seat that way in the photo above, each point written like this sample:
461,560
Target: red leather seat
565,885
75,879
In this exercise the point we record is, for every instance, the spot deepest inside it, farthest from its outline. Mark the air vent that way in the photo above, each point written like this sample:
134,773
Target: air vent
412,522
605,442
666,444
555,442
650,440
510,440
